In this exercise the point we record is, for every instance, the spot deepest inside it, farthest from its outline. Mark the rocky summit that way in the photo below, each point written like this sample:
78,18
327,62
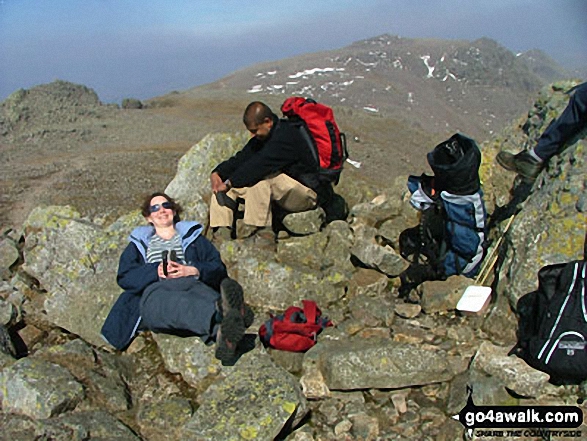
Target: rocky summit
386,370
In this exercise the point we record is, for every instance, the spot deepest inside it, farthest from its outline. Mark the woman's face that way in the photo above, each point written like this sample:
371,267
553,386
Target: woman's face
160,215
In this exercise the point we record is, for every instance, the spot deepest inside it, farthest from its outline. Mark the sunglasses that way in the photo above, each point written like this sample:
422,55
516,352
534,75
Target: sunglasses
155,208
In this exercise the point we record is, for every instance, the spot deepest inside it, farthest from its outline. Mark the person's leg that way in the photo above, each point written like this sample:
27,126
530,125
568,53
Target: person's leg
572,121
565,127
291,195
188,307
235,320
221,214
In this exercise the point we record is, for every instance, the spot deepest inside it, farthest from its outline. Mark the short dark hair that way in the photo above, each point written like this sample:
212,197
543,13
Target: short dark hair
146,205
256,112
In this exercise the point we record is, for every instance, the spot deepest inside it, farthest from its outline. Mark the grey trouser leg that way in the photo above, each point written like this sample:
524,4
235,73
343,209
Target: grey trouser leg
179,305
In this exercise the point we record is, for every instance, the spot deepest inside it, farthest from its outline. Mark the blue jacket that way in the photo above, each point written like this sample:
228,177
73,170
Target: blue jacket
135,274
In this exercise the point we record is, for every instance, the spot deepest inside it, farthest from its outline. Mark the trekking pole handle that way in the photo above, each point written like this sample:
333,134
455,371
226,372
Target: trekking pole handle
487,267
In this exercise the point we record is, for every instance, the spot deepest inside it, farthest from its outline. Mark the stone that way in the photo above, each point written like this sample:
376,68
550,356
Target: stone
443,295
382,258
380,364
305,222
367,282
164,420
407,310
515,374
189,357
8,256
253,387
38,389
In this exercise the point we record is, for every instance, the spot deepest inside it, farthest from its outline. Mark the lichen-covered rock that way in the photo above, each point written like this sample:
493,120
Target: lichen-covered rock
515,374
191,184
75,261
273,285
164,420
378,364
305,222
189,357
550,228
8,256
38,389
443,295
255,402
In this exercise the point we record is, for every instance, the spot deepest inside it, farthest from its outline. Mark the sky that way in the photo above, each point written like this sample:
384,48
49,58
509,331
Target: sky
146,48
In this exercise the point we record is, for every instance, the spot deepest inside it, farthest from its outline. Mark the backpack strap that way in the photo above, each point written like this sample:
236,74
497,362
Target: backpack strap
310,311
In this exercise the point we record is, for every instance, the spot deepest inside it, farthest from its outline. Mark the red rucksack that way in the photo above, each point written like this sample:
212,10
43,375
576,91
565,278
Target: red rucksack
327,143
295,330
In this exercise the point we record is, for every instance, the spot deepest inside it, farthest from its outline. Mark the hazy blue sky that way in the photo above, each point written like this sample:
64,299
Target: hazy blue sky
145,48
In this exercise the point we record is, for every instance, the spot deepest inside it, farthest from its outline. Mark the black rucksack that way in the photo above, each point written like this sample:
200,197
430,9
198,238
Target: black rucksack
552,326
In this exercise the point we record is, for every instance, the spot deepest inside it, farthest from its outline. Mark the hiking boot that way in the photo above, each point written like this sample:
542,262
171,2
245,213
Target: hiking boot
233,327
523,164
248,317
221,234
232,292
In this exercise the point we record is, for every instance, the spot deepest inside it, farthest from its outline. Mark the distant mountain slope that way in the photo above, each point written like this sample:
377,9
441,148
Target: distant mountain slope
543,66
445,86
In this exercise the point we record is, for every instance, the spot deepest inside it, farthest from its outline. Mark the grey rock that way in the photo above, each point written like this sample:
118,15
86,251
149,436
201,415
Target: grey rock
255,388
407,310
191,184
515,374
272,285
38,389
377,211
306,222
189,357
487,391
8,255
378,364
367,282
6,344
75,262
443,295
372,311
164,420
383,258
8,313
79,426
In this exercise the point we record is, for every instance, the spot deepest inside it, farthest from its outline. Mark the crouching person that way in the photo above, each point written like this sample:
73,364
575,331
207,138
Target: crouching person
175,282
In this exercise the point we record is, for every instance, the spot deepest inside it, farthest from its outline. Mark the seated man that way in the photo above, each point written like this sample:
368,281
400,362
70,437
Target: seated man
569,124
274,166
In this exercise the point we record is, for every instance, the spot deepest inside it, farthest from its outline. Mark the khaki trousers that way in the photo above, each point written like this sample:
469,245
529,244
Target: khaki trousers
285,191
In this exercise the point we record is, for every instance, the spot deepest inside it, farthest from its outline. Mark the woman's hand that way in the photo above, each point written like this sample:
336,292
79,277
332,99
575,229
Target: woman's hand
176,270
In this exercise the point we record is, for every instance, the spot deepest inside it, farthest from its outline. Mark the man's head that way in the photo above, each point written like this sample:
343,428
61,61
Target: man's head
258,119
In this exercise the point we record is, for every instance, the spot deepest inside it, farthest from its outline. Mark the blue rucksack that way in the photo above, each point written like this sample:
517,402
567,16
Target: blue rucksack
451,236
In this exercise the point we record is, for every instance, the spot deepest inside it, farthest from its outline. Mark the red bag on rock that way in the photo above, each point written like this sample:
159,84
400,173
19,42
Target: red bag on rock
295,330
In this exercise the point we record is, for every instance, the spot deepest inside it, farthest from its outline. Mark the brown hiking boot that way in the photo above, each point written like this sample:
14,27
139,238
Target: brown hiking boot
523,164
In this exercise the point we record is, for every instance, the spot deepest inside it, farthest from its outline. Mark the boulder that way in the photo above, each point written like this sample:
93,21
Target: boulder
75,261
191,184
515,374
377,364
38,389
256,401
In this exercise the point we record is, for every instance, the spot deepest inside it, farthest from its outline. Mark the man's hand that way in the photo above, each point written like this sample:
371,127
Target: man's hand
217,184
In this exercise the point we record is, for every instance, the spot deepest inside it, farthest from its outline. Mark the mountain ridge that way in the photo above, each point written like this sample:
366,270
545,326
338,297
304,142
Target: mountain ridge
57,134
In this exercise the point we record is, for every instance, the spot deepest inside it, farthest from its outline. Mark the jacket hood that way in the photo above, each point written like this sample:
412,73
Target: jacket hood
188,232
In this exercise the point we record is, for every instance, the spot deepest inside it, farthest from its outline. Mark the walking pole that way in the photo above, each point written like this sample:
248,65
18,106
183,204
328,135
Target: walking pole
491,259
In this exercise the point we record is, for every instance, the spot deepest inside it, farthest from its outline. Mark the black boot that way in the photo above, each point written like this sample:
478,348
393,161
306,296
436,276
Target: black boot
523,164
